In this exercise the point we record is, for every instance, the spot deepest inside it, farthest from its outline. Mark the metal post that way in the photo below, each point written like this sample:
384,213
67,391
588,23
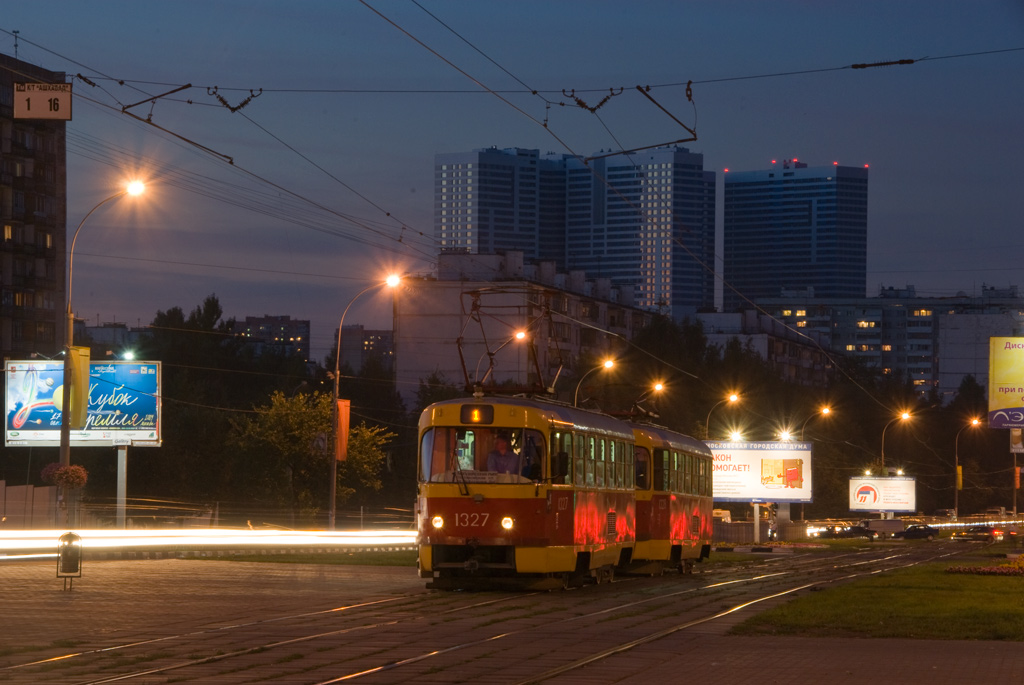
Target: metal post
122,484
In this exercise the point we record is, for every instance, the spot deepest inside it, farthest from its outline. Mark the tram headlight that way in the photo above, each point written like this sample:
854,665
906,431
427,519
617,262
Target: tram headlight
507,523
437,522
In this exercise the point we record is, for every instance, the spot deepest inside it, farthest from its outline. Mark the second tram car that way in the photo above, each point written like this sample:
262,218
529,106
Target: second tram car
674,503
540,494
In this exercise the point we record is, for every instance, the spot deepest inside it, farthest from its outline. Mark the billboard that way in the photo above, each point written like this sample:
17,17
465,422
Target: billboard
872,493
1006,382
762,471
124,404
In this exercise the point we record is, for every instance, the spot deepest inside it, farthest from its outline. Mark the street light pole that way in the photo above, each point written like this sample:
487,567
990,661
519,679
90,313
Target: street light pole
392,281
609,363
902,417
824,411
956,468
707,422
134,188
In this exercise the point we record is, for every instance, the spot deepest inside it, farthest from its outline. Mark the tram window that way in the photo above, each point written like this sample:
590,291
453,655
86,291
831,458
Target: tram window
561,449
579,466
661,471
609,466
705,481
620,463
675,479
642,468
591,466
628,466
599,463
532,455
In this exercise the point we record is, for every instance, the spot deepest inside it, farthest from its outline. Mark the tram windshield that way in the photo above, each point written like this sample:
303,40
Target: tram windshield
482,455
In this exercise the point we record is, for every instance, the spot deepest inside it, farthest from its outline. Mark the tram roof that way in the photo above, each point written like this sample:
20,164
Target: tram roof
673,439
581,419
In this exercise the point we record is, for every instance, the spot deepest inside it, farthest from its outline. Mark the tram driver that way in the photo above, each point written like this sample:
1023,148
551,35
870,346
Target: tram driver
502,459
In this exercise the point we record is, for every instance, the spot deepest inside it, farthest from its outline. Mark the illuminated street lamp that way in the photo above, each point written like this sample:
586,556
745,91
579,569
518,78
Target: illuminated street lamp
958,481
134,188
824,411
707,423
902,417
518,336
608,363
392,281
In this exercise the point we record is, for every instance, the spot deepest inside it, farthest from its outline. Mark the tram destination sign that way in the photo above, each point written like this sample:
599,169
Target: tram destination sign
42,101
124,404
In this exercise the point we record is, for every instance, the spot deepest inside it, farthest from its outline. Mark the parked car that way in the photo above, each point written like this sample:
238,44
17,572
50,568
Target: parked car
946,514
847,532
918,531
984,533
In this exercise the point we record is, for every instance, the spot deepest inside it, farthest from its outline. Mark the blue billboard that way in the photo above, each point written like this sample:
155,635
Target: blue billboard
124,404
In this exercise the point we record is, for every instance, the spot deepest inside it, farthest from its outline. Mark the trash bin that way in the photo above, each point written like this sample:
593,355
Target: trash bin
69,557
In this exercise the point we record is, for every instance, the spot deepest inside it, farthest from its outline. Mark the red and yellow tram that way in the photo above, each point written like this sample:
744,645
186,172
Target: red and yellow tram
540,494
674,501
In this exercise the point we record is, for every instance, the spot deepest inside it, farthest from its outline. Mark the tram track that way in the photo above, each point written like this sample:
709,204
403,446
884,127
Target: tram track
402,637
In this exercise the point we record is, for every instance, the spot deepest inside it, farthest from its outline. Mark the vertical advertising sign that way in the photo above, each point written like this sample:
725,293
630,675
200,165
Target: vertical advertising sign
124,404
1006,383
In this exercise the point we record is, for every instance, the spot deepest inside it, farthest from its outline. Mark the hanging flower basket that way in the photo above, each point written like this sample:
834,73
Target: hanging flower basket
68,477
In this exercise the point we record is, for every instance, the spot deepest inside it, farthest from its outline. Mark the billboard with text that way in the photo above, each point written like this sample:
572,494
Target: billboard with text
871,493
124,404
762,471
1006,382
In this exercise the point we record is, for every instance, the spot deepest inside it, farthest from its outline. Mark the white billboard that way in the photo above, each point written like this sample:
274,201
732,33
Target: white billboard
872,493
762,471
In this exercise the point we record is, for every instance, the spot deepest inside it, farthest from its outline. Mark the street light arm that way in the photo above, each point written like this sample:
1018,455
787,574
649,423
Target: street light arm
576,396
607,365
707,421
74,239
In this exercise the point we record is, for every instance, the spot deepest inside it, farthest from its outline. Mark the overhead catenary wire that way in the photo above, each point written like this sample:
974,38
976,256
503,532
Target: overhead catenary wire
788,74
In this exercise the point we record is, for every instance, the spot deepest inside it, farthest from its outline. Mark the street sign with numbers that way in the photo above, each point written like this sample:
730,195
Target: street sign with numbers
42,101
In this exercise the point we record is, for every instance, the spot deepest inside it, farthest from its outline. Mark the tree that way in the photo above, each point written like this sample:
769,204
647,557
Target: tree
360,473
287,456
284,447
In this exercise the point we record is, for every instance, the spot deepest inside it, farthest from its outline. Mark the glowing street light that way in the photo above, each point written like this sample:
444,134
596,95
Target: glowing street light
608,363
902,417
958,484
518,336
731,399
391,281
134,188
824,411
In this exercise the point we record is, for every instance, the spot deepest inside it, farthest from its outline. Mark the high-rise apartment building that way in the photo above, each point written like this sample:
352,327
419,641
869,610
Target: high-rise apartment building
645,220
795,228
33,214
492,200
